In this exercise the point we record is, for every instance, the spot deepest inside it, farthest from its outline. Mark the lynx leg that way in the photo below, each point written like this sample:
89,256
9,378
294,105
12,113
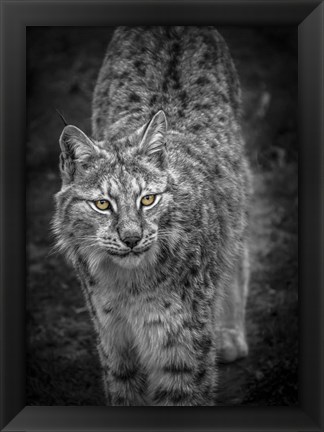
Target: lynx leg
232,343
179,357
124,379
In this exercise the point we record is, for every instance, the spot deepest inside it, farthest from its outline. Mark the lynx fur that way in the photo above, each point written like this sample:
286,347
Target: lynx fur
152,214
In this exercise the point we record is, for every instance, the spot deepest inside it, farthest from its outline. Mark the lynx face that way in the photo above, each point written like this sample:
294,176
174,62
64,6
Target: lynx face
117,220
117,197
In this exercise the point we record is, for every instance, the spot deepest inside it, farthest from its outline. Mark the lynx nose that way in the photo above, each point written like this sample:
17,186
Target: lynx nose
131,241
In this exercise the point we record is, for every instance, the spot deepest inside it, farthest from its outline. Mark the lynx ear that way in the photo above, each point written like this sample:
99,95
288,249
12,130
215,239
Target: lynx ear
153,140
77,150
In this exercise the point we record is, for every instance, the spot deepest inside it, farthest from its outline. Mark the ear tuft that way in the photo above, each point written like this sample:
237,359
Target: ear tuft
77,148
154,135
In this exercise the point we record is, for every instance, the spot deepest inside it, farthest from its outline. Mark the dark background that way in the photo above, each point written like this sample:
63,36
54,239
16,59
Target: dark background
62,364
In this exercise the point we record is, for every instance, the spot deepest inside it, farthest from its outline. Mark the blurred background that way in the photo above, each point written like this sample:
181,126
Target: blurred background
62,363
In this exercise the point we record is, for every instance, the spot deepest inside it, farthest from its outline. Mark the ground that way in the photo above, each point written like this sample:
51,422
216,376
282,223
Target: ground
62,364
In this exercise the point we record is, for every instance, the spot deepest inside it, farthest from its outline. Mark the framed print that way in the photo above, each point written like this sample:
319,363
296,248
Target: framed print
64,99
59,330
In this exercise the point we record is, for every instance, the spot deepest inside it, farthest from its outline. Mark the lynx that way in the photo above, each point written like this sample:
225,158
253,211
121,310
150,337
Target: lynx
152,214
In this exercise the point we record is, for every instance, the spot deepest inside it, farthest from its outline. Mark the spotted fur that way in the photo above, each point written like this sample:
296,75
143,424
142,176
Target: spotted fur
166,122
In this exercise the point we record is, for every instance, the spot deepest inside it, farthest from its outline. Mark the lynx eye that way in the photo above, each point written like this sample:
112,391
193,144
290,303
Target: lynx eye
102,204
148,200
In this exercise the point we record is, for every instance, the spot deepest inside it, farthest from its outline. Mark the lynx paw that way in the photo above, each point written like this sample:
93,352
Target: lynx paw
232,345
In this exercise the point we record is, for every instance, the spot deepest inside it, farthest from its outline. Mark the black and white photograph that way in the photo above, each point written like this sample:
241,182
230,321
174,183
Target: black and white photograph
162,216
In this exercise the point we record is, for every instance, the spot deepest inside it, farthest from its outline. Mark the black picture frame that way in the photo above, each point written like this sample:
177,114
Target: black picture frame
308,15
